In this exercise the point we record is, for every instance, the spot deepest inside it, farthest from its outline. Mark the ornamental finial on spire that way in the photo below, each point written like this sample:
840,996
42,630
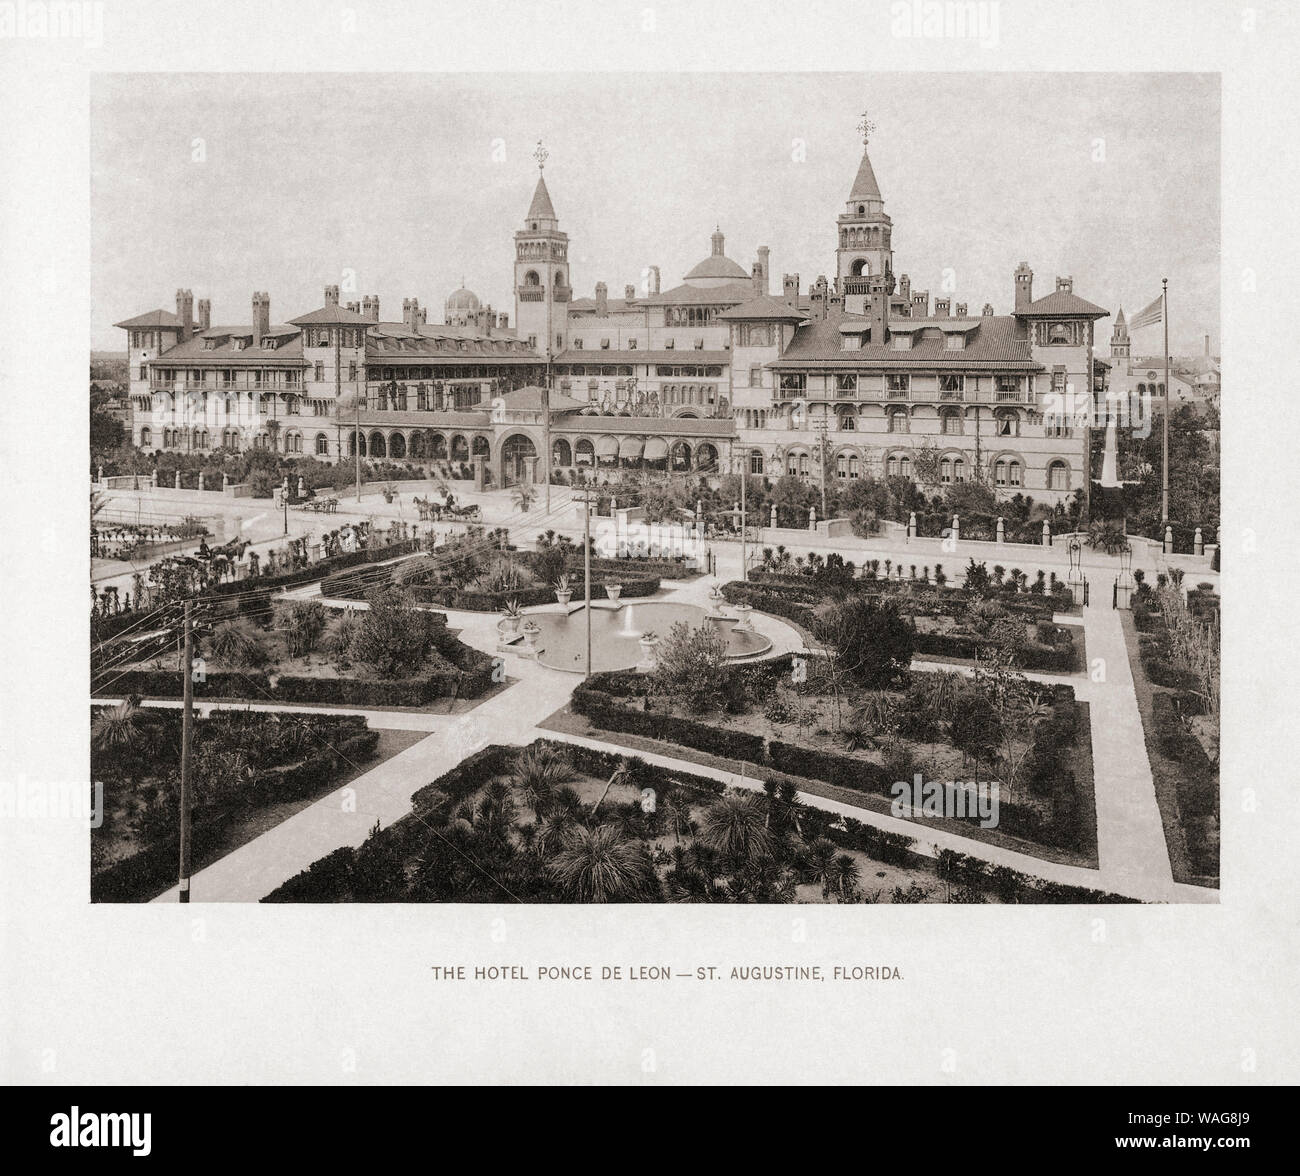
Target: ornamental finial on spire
866,128
541,155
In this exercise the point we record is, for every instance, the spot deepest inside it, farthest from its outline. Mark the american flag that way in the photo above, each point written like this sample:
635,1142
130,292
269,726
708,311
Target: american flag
1148,317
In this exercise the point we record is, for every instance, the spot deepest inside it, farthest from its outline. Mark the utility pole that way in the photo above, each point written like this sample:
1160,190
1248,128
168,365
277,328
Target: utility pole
821,456
1164,425
187,730
586,566
744,562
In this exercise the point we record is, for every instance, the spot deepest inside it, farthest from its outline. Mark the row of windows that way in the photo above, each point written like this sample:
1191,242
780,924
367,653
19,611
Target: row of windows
630,344
898,383
230,439
1007,472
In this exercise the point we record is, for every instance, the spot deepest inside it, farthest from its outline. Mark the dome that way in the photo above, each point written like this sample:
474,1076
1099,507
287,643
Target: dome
718,267
463,299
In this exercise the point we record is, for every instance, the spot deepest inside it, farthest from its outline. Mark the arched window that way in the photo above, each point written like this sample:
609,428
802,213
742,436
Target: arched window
842,465
805,465
945,471
898,420
1013,473
755,461
531,278
146,437
1058,476
322,445
905,466
1006,423
1059,333
958,470
853,465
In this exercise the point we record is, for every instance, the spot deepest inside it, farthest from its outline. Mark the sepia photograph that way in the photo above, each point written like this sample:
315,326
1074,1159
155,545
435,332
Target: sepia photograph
533,548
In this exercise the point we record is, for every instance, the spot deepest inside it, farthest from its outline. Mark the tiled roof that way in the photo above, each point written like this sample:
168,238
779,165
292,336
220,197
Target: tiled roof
332,314
151,318
683,355
765,307
731,294
530,397
999,342
397,341
864,183
541,208
1064,302
288,349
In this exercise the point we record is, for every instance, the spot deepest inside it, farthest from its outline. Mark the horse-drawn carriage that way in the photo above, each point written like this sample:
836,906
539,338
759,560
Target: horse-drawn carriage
432,510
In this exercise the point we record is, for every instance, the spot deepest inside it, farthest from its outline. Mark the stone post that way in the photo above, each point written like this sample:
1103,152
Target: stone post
956,528
911,524
153,480
1169,541
225,481
1047,533
178,479
774,516
1002,530
1198,543
99,475
479,462
812,518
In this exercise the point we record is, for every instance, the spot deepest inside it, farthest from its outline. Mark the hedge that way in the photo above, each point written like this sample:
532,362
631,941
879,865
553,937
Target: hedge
350,874
142,875
604,711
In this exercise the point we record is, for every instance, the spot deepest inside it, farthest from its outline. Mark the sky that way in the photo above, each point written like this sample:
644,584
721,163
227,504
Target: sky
404,184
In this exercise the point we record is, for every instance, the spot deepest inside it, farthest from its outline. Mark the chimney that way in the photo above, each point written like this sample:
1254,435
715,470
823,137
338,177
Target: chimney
629,293
1207,343
756,279
370,307
503,321
941,307
261,316
424,315
331,296
1024,285
1065,285
411,314
764,259
602,300
654,279
988,308
961,310
205,316
354,307
185,312
790,287
905,288
489,319
878,311
921,304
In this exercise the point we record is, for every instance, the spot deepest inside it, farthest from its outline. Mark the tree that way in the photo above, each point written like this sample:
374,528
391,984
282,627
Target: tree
523,496
602,865
868,640
735,826
237,642
538,772
392,638
691,664
302,622
118,728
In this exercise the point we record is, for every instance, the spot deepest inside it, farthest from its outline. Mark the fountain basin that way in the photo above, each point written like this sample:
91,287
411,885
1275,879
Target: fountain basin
616,634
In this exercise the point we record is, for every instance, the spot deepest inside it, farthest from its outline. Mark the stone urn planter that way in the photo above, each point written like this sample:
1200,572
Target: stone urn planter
564,595
715,593
531,629
613,591
511,617
742,617
649,643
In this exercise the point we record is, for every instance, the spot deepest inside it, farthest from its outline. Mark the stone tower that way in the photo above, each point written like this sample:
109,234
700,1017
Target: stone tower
865,250
542,288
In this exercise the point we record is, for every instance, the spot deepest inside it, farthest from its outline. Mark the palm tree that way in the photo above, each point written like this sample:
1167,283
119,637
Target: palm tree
602,865
821,863
524,496
539,770
735,825
846,876
118,728
677,813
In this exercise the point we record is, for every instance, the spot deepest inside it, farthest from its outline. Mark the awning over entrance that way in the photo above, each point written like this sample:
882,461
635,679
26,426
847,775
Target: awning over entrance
630,448
607,447
656,449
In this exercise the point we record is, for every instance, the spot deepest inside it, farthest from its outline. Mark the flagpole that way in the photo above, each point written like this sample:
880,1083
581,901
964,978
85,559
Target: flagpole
1164,427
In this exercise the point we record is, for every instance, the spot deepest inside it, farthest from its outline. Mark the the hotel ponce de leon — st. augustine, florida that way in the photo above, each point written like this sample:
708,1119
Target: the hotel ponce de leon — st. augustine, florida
723,371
